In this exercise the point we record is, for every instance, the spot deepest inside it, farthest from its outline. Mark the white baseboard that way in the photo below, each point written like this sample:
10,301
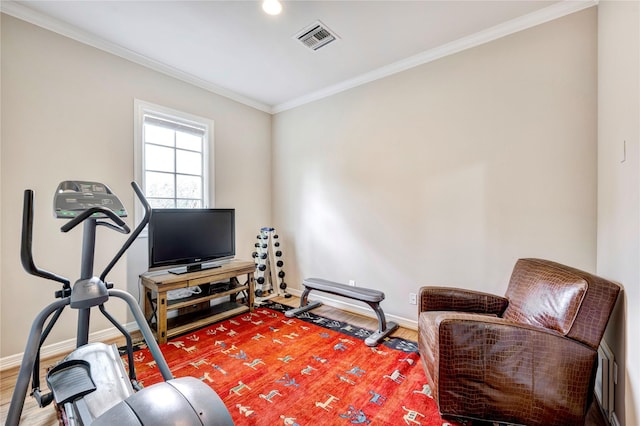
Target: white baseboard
357,309
66,346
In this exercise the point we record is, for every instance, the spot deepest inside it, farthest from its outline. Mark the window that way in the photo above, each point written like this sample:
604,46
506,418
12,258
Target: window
172,156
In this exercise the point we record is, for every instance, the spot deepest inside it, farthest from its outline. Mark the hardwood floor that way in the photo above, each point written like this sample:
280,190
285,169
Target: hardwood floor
33,415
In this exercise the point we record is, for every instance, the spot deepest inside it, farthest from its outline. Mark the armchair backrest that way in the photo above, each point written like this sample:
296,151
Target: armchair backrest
560,298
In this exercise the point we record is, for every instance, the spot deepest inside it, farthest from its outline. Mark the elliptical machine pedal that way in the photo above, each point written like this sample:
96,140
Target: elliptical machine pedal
70,380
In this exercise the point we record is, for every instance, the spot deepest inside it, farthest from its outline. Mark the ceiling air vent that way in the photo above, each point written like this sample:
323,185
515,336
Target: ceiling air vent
316,36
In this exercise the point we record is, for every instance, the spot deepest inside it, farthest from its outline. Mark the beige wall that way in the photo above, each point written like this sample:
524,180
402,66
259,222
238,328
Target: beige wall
619,189
67,113
445,174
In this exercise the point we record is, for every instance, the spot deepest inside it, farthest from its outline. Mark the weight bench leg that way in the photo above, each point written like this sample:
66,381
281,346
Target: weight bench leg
304,304
384,328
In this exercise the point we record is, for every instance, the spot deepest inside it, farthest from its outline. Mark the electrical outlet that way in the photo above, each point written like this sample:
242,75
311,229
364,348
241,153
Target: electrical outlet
413,299
352,283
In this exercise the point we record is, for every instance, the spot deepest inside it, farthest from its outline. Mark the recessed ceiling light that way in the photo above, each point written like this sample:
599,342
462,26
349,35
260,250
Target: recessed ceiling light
272,7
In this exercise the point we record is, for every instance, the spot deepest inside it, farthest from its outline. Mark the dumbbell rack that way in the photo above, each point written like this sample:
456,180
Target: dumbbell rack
269,276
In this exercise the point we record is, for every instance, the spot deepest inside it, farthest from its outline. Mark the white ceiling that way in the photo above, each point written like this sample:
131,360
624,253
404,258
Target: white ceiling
233,48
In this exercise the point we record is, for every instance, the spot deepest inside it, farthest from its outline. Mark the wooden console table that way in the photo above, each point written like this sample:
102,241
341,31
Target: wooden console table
195,311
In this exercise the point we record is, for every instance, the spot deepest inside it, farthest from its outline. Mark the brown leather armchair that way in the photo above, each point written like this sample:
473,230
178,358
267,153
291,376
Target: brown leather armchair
529,357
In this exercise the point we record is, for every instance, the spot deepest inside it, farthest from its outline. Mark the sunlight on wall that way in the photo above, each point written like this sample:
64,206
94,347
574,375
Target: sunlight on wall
346,234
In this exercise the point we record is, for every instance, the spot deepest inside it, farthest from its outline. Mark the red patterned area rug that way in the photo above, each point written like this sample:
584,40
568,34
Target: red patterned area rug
274,370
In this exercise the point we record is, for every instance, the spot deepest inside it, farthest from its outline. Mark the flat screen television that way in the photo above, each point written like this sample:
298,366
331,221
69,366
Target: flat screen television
188,240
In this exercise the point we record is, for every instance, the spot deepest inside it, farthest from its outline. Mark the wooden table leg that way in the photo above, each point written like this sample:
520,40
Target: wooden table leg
148,308
162,317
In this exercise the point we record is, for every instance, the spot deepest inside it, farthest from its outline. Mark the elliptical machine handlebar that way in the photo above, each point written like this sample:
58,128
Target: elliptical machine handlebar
122,227
26,253
145,219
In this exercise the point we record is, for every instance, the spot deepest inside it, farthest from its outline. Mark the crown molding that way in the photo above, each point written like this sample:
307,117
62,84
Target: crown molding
24,13
555,11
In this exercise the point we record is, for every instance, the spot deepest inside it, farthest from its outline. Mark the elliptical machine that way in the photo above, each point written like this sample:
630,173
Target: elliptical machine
90,385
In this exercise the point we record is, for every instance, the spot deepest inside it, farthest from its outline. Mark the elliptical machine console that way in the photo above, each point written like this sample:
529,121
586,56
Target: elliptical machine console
91,385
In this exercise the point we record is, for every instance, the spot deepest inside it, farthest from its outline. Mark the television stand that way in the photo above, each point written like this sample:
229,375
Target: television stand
196,311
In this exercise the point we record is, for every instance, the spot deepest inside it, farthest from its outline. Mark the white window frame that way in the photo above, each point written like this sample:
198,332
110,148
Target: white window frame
143,107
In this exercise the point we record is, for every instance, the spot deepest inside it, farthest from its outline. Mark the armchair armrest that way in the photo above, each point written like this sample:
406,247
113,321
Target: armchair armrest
461,300
518,373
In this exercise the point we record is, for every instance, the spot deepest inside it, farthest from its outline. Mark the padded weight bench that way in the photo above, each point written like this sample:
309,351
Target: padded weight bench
367,295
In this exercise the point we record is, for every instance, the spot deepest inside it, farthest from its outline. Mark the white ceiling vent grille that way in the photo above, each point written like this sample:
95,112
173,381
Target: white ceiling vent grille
316,36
